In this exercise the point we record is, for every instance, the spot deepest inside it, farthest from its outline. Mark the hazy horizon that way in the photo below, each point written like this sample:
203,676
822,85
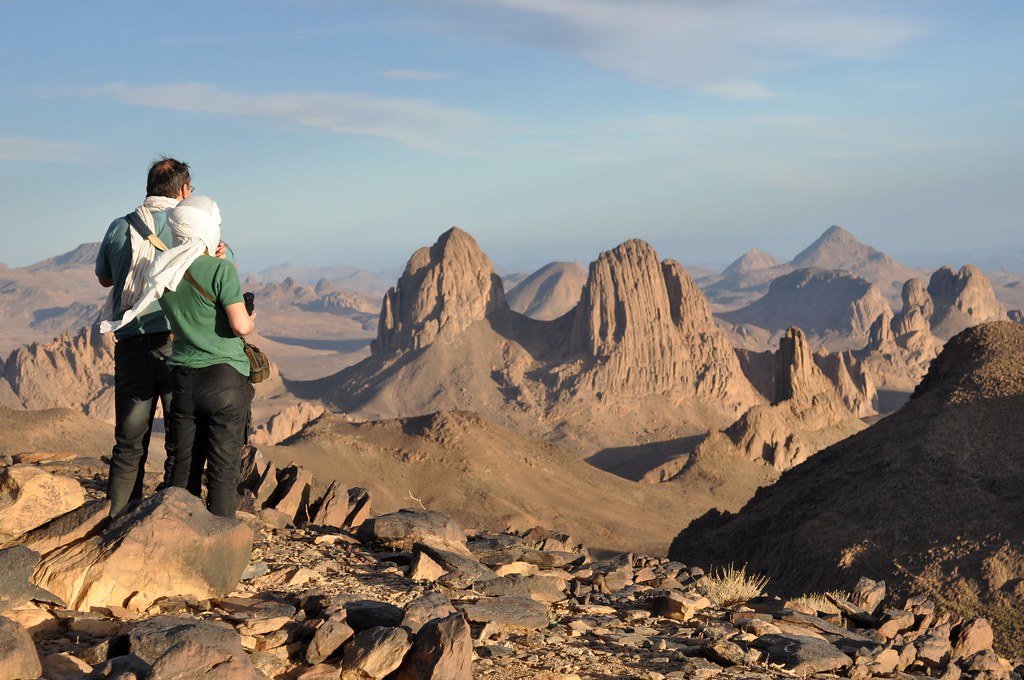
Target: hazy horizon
334,131
988,260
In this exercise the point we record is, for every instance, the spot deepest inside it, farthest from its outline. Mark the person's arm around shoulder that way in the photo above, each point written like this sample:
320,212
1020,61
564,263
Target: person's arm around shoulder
228,289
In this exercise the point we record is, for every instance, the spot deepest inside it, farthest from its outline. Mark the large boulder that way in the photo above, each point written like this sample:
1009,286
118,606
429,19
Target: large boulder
508,614
18,657
186,648
167,545
375,653
401,530
443,650
30,497
83,521
801,654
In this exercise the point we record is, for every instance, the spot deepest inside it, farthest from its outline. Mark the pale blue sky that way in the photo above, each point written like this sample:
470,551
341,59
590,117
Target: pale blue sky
343,131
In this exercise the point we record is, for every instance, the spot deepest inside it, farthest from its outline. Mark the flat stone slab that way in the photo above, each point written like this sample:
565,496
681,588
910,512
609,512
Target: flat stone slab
508,613
802,655
401,530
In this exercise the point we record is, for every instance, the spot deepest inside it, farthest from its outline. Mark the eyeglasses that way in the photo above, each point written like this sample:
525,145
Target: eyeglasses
191,188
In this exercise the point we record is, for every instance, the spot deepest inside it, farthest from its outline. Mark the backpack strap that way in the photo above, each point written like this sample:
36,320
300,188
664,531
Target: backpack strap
202,291
139,226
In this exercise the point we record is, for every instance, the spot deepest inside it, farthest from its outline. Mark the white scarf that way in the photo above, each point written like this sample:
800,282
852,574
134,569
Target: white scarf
195,225
143,254
143,251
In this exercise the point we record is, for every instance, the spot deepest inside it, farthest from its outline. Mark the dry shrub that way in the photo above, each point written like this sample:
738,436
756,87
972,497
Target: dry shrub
820,603
728,585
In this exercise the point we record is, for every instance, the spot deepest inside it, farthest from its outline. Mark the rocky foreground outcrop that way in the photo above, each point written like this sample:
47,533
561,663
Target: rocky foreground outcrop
168,544
411,595
926,498
30,497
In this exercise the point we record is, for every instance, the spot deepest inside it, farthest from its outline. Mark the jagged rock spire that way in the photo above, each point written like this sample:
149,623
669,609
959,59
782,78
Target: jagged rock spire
444,289
643,326
796,374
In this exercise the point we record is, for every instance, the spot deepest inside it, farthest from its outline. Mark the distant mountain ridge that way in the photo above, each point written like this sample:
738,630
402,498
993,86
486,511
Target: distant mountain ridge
84,255
344,275
752,260
836,249
549,292
834,306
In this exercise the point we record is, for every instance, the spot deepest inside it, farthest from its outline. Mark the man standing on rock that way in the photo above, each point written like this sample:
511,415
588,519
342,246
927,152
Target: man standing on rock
141,376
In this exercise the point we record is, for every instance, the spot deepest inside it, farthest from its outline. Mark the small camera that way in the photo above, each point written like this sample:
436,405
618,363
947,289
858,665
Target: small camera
250,302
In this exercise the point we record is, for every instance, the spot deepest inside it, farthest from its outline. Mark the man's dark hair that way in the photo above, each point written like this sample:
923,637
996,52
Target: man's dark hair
166,177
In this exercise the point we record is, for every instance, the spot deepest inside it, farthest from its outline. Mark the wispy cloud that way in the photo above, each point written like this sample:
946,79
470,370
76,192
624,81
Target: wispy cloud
420,76
796,152
45,150
416,123
719,47
740,89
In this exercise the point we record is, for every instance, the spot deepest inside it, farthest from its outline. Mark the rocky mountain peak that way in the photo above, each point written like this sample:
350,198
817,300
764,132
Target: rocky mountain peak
917,309
751,260
444,289
836,234
962,299
880,335
626,291
822,302
84,254
796,373
835,246
839,249
644,325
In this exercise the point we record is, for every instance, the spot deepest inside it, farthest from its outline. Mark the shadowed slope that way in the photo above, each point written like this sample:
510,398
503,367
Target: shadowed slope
489,476
928,498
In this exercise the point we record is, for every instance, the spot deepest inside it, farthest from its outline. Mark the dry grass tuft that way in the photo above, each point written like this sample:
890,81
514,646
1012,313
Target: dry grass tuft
728,585
820,602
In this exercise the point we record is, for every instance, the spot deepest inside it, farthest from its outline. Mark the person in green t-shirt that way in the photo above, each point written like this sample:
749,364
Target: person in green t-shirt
201,297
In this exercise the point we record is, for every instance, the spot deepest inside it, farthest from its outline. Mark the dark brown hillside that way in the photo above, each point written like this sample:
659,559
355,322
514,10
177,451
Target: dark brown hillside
929,498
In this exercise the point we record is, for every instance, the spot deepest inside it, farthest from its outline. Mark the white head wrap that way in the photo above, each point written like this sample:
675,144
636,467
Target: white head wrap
195,225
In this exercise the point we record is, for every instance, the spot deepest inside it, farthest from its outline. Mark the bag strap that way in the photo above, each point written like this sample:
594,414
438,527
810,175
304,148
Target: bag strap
202,291
143,231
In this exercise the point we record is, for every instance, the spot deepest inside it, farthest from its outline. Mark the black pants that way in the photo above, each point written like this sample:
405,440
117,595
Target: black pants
141,379
209,414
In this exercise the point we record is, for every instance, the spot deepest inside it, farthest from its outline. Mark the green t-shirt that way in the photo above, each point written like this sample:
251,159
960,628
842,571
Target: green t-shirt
113,262
202,332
